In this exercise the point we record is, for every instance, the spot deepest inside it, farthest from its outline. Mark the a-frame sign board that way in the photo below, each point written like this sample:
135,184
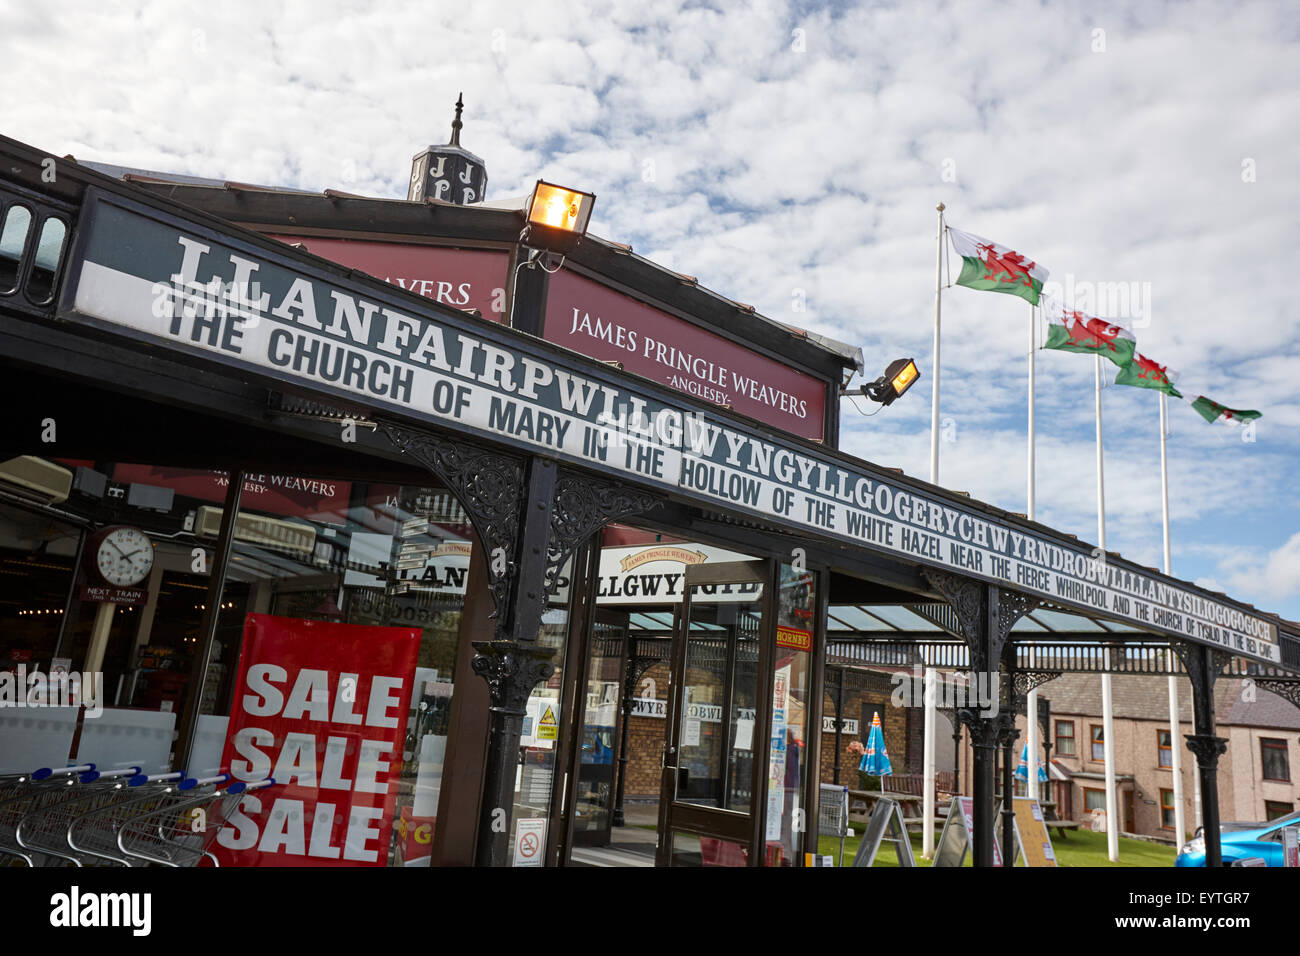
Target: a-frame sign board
1036,848
957,836
886,823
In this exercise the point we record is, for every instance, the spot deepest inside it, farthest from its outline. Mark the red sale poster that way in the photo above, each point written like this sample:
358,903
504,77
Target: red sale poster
321,708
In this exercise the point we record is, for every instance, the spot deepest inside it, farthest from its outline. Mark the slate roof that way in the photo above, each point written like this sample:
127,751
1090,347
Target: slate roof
1146,697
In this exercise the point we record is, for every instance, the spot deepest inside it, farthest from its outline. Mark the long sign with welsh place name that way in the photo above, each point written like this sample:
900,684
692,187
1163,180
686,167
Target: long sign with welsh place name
180,285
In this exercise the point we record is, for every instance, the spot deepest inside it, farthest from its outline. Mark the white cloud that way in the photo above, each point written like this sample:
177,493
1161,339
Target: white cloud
776,170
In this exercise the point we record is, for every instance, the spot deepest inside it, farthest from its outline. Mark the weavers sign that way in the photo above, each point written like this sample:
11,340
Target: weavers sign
322,708
189,290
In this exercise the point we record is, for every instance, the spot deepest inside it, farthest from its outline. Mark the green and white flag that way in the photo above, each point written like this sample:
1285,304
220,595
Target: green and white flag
1212,411
995,268
1143,372
1073,331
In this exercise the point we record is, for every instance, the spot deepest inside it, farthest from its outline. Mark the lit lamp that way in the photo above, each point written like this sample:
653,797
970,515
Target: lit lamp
557,218
898,378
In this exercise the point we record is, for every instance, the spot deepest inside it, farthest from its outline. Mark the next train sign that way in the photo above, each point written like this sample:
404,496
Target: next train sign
177,284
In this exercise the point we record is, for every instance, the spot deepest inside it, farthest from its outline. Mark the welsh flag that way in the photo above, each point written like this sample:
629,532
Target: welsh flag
1212,411
1143,372
1072,331
988,265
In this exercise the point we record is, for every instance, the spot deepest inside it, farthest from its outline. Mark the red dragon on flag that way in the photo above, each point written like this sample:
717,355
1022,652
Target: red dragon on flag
1005,267
1143,372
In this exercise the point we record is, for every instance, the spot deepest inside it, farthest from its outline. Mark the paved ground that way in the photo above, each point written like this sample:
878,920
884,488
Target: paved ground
632,844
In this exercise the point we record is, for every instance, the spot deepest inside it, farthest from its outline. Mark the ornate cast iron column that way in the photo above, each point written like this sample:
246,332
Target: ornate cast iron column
985,614
1018,684
1203,665
530,518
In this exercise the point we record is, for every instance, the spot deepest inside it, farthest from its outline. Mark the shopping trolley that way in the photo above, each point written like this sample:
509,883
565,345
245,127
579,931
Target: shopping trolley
28,792
44,827
93,835
181,833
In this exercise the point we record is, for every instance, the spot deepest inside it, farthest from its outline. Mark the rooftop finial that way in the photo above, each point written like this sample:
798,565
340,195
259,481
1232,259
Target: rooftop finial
456,123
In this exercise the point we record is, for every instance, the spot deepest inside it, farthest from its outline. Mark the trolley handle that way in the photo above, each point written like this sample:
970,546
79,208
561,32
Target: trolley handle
46,772
189,783
240,786
141,779
92,775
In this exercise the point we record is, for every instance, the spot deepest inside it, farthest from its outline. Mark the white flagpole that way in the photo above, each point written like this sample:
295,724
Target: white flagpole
1107,711
927,802
934,399
1029,513
1033,788
1175,732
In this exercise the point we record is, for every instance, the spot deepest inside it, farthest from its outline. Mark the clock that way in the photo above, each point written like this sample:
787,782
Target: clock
123,556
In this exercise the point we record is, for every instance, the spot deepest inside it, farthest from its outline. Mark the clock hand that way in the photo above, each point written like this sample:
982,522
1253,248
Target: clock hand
116,548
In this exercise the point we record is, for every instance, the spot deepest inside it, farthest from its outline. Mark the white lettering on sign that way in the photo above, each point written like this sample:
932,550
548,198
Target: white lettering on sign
847,725
309,331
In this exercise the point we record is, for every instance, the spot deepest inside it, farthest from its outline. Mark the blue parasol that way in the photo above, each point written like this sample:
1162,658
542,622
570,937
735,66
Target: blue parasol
1022,768
875,759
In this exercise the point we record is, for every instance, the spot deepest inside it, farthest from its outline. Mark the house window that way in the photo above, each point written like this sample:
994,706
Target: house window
1065,738
1274,809
1098,742
1272,754
1164,748
1167,818
1093,799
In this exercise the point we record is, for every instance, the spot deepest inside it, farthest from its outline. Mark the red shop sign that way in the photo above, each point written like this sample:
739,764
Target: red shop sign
287,496
461,278
323,709
597,321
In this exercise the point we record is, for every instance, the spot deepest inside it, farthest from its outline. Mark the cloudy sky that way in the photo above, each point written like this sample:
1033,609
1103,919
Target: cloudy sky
791,156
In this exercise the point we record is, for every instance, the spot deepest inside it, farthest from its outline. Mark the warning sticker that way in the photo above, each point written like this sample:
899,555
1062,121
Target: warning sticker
547,728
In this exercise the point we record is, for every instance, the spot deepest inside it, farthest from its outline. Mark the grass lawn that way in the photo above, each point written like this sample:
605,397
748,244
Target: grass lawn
1081,848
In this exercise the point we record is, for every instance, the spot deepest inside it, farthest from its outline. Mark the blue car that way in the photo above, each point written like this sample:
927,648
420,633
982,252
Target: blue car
1241,841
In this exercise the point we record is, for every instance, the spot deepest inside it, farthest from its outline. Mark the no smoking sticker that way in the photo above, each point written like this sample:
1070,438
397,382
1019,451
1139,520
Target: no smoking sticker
530,840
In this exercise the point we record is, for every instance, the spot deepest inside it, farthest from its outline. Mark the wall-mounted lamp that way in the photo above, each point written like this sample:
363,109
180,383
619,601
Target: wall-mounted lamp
557,218
898,378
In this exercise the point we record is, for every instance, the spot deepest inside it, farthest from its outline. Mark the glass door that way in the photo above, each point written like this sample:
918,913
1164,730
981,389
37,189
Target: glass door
593,804
712,781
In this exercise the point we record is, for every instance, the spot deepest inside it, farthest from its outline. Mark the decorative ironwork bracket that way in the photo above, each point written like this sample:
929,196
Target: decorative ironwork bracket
583,505
1022,682
490,487
968,599
1283,687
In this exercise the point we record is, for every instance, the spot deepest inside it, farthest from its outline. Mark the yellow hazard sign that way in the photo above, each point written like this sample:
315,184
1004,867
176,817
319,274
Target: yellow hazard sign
546,726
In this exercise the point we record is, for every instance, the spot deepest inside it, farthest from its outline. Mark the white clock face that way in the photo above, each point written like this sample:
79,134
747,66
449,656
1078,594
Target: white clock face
125,557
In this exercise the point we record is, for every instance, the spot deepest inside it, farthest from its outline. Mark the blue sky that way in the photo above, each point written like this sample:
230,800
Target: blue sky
791,156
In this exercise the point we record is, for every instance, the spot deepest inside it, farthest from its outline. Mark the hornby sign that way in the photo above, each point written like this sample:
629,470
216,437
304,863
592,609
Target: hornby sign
181,287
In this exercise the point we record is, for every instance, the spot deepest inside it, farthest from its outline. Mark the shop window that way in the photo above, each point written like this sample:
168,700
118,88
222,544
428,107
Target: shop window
370,567
787,766
1276,809
1273,758
377,564
13,240
1065,738
1097,736
1168,820
1164,749
539,740
45,265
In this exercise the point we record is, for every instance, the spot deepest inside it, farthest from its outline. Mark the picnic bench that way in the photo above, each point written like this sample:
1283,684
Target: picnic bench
1053,822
